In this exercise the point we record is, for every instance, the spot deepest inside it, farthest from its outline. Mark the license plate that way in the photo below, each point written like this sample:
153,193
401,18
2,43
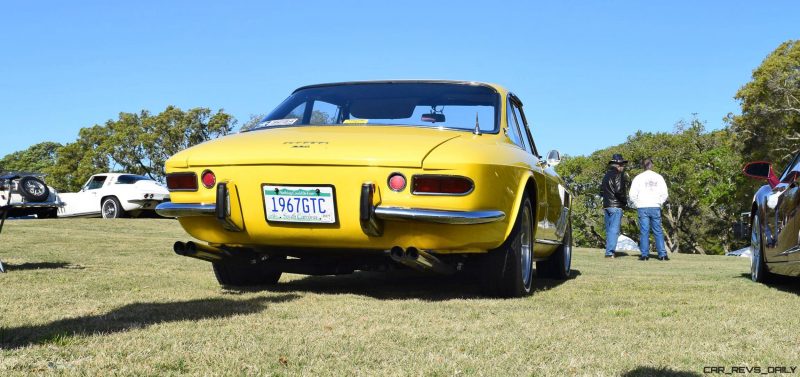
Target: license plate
300,204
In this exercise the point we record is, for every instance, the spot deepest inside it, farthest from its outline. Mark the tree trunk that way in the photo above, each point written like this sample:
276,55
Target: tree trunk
673,235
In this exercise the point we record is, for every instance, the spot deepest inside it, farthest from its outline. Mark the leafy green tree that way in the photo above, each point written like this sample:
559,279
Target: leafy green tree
141,143
38,158
769,126
77,161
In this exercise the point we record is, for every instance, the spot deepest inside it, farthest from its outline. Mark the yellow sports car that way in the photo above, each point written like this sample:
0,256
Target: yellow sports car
440,176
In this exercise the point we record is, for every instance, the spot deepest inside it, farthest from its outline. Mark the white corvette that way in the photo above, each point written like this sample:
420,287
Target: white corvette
113,195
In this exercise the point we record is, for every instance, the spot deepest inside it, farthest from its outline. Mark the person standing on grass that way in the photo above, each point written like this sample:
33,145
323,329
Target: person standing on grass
648,193
614,190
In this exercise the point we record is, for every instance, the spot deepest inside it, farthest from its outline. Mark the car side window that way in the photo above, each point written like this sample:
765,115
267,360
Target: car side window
96,182
324,113
523,126
513,129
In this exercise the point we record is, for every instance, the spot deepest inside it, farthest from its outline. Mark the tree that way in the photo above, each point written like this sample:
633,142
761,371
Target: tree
77,161
141,143
769,126
38,158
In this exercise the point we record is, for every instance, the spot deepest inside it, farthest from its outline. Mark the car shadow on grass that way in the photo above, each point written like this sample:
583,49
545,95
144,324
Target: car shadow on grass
10,267
788,284
133,316
662,371
399,285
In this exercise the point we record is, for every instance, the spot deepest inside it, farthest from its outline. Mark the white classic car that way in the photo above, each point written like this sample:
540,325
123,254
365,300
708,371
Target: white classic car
113,195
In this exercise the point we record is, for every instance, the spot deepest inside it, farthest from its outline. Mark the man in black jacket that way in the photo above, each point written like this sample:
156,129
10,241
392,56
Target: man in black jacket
615,197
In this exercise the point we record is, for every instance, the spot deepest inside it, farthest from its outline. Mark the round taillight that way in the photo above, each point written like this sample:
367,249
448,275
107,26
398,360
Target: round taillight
208,178
397,182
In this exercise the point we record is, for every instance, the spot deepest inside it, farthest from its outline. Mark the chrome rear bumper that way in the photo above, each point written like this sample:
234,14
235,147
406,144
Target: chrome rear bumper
439,216
170,209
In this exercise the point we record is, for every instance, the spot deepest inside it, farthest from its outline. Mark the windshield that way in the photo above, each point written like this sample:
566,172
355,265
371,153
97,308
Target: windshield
130,179
442,105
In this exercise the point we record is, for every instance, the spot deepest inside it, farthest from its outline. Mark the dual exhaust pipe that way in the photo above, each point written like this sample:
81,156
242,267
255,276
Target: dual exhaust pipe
420,260
200,251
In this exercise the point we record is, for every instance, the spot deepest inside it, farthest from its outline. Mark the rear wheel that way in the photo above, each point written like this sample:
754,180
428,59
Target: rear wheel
508,270
758,265
110,208
242,274
559,265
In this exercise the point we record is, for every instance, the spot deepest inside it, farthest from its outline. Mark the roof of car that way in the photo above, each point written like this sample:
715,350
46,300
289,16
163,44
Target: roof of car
496,87
117,174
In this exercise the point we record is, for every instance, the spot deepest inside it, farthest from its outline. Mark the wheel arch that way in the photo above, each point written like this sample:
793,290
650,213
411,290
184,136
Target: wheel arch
104,197
527,184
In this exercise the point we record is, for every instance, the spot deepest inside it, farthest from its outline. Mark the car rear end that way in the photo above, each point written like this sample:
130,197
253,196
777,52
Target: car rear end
333,201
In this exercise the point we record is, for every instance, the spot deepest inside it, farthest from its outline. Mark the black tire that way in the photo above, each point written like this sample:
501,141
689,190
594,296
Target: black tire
507,271
50,213
110,208
241,274
759,272
33,189
559,265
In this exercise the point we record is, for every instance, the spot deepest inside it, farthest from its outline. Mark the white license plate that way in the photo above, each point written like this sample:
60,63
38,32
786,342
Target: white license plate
300,204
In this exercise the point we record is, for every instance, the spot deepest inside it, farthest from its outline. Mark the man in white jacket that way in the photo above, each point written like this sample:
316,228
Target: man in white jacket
648,193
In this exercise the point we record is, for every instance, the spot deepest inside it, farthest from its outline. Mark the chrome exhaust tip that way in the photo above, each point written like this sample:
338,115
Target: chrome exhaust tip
397,253
200,251
179,248
412,253
420,260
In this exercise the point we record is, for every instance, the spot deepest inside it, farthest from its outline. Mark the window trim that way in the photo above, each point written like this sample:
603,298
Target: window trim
515,101
509,117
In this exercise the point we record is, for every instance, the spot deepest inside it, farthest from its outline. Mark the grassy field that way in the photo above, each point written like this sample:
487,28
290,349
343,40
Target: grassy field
89,297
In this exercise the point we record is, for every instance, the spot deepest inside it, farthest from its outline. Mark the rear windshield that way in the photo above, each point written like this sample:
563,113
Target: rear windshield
131,179
442,105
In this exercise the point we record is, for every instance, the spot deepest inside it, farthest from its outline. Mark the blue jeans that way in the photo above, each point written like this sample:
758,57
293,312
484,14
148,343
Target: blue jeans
650,218
613,217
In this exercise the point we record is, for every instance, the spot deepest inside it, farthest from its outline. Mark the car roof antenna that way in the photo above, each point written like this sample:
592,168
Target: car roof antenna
477,130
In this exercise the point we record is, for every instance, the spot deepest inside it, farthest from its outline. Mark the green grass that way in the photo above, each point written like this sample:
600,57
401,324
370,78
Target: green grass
92,297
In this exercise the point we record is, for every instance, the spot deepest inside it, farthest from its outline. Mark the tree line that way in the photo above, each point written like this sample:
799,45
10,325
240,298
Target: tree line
708,193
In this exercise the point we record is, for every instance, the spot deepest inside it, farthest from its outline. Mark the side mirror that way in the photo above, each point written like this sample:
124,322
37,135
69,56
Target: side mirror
553,157
761,170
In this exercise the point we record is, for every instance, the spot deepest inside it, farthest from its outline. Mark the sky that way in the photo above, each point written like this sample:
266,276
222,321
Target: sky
589,73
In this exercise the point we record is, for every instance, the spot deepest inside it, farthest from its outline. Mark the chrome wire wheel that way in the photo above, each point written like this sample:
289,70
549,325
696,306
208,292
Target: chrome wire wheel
755,250
526,247
110,209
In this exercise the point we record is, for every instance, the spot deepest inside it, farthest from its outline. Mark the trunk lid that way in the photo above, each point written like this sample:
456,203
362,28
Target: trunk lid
387,146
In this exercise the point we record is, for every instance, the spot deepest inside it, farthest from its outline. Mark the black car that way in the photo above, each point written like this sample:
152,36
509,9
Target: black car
775,221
